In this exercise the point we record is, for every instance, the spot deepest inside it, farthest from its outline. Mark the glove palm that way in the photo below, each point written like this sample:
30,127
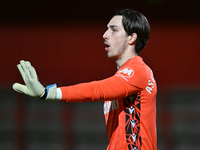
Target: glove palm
32,86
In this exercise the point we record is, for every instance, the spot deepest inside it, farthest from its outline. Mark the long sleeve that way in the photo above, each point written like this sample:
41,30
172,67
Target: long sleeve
108,89
112,88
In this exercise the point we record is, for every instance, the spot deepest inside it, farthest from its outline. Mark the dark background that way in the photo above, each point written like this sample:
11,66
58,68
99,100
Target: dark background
88,10
63,41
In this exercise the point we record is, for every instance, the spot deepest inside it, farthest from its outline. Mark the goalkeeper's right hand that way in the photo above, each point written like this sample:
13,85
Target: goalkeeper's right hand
32,86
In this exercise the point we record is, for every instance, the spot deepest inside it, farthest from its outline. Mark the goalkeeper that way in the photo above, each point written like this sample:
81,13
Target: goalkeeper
129,95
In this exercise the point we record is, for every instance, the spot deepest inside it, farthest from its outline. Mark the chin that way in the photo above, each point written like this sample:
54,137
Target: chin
112,57
109,55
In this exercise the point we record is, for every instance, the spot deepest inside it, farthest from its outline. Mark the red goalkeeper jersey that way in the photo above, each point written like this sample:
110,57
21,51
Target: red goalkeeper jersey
129,105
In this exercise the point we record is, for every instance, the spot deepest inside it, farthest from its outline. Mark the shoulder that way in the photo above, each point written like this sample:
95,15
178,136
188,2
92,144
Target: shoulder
133,66
135,72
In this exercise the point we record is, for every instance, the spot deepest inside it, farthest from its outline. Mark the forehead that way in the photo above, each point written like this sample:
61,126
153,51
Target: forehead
116,21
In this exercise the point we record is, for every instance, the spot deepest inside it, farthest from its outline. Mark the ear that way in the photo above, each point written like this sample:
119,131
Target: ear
132,39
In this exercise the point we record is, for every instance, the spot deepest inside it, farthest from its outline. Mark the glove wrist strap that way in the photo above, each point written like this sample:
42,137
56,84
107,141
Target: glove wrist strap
44,96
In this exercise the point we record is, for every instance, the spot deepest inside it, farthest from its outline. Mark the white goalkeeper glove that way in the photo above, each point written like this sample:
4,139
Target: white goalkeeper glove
32,86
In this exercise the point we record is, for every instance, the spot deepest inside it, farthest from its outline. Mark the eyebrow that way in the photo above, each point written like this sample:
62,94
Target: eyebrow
112,26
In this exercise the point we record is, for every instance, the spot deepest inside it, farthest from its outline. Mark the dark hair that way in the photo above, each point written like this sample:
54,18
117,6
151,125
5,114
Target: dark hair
135,22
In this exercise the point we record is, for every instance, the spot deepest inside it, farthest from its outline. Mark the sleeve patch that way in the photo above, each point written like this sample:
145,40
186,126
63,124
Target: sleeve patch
125,73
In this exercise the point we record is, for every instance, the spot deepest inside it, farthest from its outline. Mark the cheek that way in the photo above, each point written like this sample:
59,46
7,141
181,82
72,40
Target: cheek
119,41
121,44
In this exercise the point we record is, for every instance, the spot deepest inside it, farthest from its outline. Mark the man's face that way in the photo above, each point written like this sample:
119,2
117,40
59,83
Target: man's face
115,38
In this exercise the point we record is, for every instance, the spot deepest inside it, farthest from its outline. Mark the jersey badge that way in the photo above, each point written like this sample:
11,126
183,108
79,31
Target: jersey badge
125,73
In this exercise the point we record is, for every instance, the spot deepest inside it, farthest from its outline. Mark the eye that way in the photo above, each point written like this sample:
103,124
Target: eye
114,29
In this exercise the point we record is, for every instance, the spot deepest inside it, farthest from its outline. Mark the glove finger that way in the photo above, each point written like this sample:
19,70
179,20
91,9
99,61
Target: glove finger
22,63
20,88
27,66
19,66
25,69
31,71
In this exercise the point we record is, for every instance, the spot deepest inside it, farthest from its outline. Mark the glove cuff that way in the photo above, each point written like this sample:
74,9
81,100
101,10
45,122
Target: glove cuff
50,92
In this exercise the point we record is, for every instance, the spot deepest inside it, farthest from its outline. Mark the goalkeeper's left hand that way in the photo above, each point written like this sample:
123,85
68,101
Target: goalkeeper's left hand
32,85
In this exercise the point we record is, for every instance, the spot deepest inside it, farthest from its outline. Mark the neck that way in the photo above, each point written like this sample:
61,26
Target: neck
124,58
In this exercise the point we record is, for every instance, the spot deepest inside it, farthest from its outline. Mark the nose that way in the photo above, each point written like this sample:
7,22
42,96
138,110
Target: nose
105,35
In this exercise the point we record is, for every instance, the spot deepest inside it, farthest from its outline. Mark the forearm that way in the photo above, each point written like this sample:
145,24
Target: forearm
108,89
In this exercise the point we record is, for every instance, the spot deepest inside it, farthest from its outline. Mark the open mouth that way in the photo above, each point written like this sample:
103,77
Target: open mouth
107,46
